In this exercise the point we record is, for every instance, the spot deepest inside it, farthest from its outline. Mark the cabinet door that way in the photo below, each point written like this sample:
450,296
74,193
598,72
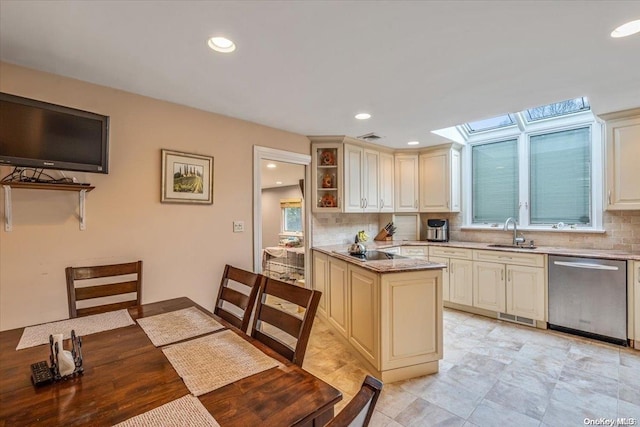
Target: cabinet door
320,269
445,276
623,174
525,291
353,197
364,312
636,282
337,301
434,182
386,180
411,318
406,183
489,286
461,281
370,181
455,180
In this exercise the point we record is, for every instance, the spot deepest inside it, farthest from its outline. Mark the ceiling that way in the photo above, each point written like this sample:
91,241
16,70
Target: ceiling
285,173
309,66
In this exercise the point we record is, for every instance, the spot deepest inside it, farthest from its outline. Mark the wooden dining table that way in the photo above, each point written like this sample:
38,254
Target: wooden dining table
126,375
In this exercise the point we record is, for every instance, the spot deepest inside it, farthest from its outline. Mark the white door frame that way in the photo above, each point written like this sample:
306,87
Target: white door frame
265,153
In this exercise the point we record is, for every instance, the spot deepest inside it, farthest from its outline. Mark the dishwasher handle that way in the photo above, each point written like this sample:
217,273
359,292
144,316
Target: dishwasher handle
586,265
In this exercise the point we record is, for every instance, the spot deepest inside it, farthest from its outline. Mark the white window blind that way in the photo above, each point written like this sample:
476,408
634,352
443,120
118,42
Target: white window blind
560,171
495,181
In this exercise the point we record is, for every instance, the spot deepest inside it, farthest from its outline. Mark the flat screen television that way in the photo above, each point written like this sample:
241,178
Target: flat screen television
41,135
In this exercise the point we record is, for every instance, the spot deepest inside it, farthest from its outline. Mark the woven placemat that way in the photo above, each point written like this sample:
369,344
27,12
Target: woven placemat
39,334
214,361
177,325
186,411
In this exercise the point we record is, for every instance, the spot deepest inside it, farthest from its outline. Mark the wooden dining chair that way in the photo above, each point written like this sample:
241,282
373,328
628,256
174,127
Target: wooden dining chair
109,283
286,332
233,305
359,410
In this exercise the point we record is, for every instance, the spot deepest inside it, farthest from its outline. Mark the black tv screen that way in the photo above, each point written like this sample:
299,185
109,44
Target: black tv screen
42,135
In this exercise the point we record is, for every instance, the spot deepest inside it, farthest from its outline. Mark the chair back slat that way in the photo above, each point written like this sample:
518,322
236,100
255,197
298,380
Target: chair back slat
89,292
244,302
360,408
111,285
270,321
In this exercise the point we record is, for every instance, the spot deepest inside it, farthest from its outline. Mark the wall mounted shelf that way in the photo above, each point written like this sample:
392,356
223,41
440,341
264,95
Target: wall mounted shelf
8,186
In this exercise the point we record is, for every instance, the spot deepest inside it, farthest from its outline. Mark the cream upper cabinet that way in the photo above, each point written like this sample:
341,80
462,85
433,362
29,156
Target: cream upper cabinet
406,183
320,279
337,307
327,177
361,179
386,180
440,180
623,154
636,281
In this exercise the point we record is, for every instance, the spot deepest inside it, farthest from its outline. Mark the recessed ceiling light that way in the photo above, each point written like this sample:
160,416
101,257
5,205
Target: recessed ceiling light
363,116
413,142
279,182
627,29
221,44
271,165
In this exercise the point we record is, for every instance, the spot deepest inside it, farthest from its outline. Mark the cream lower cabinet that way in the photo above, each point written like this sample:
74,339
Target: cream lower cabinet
411,320
457,278
338,301
489,286
510,282
364,313
320,279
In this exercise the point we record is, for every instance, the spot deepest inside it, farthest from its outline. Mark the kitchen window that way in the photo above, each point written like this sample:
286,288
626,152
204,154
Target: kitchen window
547,175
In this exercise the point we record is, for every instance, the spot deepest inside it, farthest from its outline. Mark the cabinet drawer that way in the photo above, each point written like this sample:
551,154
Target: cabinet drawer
441,251
417,251
391,250
518,258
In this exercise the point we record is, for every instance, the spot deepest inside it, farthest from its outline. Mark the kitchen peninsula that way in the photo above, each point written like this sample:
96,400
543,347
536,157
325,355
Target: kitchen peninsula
389,310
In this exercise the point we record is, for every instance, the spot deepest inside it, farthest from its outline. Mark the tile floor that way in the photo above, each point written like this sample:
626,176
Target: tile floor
495,373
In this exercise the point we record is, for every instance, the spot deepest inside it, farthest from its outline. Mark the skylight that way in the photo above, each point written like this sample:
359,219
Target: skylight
562,108
491,123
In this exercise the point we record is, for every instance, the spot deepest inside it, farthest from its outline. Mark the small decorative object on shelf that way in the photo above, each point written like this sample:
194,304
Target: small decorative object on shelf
327,180
328,201
327,158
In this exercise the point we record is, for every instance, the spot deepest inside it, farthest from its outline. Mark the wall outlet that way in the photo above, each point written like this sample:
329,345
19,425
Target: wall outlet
238,226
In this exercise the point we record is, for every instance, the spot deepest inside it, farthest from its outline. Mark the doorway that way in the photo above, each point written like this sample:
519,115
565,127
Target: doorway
281,218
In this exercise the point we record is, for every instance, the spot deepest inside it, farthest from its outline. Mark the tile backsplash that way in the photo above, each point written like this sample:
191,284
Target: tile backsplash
622,231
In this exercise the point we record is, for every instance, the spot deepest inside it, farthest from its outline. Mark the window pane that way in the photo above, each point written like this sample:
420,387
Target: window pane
495,181
569,106
492,123
292,219
560,179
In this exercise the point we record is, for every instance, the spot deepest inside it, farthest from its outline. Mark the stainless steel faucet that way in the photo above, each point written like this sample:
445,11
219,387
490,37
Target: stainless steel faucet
517,240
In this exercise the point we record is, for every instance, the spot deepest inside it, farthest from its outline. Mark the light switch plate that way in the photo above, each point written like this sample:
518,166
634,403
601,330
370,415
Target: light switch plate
238,226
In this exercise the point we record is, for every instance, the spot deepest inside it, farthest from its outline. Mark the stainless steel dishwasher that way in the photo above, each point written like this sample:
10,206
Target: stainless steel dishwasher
589,297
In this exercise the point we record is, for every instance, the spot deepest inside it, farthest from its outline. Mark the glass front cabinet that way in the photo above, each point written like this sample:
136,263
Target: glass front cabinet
327,176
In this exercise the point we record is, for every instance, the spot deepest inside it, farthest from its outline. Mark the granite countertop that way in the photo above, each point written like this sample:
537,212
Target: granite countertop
549,250
380,266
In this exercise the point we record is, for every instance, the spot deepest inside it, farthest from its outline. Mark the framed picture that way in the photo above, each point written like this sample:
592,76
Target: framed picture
186,178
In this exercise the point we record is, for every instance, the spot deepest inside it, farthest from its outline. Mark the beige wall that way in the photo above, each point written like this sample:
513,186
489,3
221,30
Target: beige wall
184,247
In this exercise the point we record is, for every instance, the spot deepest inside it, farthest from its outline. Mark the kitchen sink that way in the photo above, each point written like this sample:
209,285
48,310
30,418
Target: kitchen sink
497,245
